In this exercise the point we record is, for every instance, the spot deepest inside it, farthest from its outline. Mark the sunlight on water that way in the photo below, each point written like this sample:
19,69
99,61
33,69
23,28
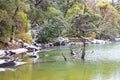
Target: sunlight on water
103,64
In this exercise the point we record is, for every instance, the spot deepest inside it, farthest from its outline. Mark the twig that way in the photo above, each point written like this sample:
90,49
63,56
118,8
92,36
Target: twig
64,57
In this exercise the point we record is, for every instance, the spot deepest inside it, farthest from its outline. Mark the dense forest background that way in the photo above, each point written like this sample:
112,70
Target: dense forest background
49,19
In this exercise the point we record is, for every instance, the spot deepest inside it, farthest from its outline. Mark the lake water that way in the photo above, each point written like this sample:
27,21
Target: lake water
102,62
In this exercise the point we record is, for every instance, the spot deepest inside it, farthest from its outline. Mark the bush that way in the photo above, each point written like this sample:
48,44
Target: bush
25,37
92,35
48,33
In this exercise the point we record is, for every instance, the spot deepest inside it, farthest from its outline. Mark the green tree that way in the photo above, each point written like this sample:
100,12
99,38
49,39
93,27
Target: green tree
108,23
15,19
82,19
54,18
52,27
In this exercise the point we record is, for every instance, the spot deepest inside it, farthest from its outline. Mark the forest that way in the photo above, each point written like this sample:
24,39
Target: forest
49,19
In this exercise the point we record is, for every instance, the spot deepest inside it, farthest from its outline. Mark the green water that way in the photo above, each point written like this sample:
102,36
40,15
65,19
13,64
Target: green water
102,64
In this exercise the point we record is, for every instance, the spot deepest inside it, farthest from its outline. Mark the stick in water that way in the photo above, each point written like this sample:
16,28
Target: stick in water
64,57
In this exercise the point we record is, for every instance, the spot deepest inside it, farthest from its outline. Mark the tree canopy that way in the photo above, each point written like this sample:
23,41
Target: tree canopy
53,18
13,18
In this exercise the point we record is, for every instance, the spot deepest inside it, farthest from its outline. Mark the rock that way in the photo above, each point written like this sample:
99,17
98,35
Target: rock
95,41
56,44
7,64
10,53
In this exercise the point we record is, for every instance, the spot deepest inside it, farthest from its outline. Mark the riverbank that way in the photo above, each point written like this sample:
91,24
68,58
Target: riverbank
17,50
13,53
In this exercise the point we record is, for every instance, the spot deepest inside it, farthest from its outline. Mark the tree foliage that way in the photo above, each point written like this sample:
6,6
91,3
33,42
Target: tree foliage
53,18
76,18
13,19
108,24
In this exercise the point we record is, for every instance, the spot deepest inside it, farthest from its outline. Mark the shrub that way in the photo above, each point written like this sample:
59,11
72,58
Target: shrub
25,37
93,35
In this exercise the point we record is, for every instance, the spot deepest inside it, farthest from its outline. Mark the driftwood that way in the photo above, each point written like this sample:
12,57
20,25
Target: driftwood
83,49
85,39
64,57
72,52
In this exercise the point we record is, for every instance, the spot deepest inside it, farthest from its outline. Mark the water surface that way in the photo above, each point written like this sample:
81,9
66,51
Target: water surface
102,62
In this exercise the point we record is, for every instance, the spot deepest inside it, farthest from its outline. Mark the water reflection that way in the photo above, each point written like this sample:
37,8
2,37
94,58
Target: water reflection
103,64
75,71
21,73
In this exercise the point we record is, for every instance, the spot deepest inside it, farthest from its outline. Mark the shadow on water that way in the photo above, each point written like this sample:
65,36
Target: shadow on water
103,64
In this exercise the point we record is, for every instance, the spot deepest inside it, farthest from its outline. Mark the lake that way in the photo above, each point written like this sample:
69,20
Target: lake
102,62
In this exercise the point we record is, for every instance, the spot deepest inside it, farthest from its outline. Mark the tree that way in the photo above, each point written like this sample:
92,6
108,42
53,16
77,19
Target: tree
82,18
108,24
16,21
52,27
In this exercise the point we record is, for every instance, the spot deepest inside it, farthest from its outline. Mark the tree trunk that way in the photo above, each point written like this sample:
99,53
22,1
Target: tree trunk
12,34
13,25
83,50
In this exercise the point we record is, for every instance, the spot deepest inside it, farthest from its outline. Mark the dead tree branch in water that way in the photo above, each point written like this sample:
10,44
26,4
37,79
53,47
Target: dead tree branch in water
72,52
84,47
64,57
83,51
